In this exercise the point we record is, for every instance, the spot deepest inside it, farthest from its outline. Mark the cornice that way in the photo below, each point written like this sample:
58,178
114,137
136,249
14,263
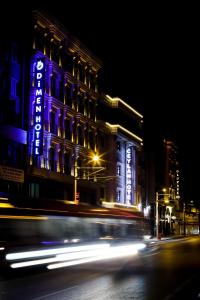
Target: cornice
61,33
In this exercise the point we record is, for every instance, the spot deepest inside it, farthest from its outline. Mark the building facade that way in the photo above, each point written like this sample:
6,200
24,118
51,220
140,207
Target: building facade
54,119
170,195
125,184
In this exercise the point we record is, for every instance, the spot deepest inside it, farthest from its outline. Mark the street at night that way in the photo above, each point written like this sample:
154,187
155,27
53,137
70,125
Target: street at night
99,192
169,271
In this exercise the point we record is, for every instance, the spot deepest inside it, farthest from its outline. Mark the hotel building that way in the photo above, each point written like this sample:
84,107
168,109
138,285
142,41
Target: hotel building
54,119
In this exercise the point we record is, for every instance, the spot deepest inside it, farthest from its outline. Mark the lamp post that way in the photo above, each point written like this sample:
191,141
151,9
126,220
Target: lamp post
157,210
184,227
95,158
75,198
157,217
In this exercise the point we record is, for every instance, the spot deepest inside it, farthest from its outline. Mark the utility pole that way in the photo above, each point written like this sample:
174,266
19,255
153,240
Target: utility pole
184,231
75,181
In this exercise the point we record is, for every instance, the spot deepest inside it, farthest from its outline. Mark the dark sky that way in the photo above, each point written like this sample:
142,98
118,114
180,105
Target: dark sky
151,60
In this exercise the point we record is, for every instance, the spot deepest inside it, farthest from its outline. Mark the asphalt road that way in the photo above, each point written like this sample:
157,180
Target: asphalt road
169,271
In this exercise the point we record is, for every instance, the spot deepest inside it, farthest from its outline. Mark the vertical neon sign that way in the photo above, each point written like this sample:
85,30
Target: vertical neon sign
38,107
129,175
177,184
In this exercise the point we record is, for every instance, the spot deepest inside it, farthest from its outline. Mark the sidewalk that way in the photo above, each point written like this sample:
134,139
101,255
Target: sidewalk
172,237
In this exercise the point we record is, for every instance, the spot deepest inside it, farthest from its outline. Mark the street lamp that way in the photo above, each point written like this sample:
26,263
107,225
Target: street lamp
95,158
157,212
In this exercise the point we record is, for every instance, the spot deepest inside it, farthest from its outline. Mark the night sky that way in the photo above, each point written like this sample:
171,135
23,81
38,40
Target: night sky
150,57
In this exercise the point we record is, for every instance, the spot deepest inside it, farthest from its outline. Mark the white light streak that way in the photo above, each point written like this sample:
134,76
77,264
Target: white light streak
121,251
48,252
85,254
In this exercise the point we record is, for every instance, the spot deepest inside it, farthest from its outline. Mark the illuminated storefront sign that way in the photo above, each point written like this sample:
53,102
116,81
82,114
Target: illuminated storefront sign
129,175
38,107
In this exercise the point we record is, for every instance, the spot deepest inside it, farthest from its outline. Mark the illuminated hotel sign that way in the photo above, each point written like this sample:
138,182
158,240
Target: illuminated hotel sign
129,175
38,107
177,184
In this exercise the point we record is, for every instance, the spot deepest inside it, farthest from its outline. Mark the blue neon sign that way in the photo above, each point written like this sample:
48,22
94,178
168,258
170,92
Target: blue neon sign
39,107
129,175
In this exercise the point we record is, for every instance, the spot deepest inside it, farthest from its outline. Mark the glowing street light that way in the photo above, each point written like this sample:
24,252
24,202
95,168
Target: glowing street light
96,158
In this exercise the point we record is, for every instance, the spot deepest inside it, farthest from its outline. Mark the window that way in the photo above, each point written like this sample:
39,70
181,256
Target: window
60,125
118,196
39,40
52,122
74,97
118,170
68,134
118,146
68,95
52,159
61,89
67,163
80,136
33,190
80,103
53,85
55,52
60,165
91,110
81,73
91,140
